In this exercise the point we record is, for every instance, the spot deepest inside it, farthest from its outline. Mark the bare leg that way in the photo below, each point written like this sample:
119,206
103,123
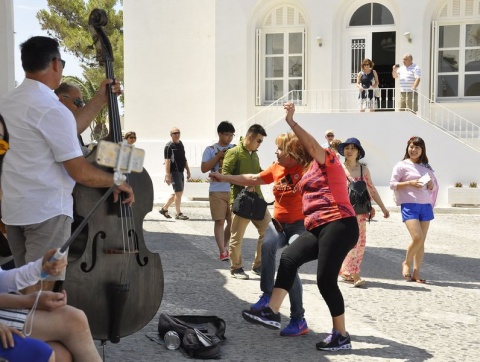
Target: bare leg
68,326
61,353
226,232
178,201
418,257
339,324
418,232
276,300
169,202
220,235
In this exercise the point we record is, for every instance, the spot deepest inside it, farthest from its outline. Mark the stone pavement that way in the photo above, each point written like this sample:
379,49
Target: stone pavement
389,319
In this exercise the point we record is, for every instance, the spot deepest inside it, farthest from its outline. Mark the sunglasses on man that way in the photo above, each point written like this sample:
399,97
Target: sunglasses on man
77,101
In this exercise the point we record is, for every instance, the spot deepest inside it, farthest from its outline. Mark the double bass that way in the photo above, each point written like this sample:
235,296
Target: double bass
111,275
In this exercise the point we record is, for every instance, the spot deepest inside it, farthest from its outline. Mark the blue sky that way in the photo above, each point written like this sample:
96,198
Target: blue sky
26,25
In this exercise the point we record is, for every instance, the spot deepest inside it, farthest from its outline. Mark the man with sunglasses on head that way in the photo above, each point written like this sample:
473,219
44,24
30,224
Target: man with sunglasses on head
243,159
175,165
45,160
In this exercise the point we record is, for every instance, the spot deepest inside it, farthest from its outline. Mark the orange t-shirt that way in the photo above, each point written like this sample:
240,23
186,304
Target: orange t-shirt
288,201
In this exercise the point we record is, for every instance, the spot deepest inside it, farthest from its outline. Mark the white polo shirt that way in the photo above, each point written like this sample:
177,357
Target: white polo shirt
43,134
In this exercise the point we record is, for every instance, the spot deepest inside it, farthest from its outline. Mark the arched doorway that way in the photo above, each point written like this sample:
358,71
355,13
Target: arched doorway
371,34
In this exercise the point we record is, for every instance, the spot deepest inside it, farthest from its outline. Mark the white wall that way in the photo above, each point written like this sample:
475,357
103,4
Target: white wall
190,64
384,137
169,67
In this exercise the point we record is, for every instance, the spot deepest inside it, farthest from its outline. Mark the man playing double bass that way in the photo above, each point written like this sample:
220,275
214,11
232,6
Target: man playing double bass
44,160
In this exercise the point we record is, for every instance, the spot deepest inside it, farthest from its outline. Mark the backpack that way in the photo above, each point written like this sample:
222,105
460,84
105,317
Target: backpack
200,336
359,196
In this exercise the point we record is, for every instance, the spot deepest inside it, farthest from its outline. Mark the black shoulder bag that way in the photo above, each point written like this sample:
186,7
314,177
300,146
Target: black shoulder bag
359,196
249,205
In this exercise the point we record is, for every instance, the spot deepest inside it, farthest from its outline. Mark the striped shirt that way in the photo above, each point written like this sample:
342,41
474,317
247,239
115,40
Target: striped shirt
14,318
407,76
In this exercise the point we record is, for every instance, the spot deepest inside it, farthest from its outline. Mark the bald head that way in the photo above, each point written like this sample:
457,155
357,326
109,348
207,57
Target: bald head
70,95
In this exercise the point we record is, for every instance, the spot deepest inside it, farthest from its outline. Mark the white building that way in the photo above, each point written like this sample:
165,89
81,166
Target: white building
194,63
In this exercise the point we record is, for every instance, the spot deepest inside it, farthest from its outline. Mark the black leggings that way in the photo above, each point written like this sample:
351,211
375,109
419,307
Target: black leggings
330,244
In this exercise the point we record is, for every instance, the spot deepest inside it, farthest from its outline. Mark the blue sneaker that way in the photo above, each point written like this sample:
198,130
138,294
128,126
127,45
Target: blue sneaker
335,342
296,327
262,303
265,317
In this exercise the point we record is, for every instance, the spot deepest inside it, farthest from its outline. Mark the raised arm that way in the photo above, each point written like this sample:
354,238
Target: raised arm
85,115
359,81
374,193
310,143
394,71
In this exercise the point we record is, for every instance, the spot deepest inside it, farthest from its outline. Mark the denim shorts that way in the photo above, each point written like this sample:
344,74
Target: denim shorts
178,181
421,212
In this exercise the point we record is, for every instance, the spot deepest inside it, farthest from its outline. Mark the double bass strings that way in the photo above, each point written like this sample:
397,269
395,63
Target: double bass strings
126,212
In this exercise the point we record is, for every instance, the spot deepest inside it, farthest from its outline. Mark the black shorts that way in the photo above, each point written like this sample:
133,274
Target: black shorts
178,181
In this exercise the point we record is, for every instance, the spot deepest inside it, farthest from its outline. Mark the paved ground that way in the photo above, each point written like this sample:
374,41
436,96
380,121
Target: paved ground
389,320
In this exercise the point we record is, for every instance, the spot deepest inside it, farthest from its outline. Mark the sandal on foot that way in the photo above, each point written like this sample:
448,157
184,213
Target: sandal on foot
181,217
421,281
347,278
164,213
407,276
359,283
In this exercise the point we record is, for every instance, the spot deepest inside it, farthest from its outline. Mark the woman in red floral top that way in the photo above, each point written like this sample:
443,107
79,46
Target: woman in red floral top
332,230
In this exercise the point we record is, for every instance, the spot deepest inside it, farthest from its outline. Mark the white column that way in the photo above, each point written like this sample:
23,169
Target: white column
7,65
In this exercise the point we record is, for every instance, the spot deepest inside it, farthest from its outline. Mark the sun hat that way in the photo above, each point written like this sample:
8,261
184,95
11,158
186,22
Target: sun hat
329,131
352,141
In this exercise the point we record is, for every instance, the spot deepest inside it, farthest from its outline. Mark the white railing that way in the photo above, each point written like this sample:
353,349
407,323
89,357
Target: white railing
452,123
346,100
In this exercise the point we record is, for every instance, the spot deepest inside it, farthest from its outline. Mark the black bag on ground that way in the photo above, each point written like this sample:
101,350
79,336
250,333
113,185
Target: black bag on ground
359,196
249,205
200,336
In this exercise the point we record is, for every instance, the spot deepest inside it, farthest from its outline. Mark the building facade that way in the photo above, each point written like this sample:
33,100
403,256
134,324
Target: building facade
194,63
214,60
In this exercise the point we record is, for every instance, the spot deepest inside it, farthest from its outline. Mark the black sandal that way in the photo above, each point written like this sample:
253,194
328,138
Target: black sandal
164,213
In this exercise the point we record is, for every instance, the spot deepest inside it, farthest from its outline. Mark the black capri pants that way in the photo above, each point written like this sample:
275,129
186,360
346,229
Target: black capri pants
330,244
